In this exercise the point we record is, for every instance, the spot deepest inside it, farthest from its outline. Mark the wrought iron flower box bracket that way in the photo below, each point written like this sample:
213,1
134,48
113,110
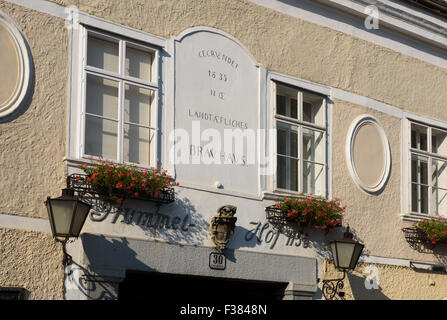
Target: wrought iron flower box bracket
416,236
80,184
276,216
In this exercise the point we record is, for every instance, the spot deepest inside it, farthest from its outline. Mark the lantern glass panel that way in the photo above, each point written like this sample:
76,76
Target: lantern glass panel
356,255
82,210
344,252
334,253
62,215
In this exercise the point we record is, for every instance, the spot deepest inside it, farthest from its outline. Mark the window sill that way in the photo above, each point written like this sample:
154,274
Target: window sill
280,194
74,162
416,217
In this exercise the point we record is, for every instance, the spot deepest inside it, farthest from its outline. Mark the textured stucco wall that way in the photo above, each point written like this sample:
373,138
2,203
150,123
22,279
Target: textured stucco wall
394,283
292,46
375,219
33,144
31,260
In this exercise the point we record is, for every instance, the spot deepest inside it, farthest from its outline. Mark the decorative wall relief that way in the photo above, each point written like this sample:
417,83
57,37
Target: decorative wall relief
15,66
368,154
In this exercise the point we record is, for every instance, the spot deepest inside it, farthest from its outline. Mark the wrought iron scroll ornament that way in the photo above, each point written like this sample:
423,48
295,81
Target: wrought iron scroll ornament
80,184
331,288
222,226
418,240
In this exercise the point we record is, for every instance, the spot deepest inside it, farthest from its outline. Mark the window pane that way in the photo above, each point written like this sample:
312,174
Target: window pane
137,144
294,108
439,173
419,169
281,105
138,105
313,109
423,199
287,140
101,137
414,198
307,112
102,97
139,63
281,172
419,198
418,137
439,201
439,141
314,178
281,137
313,145
103,54
287,173
287,101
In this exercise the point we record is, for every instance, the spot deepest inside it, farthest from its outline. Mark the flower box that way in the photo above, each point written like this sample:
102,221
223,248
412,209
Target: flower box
316,212
429,231
118,182
80,184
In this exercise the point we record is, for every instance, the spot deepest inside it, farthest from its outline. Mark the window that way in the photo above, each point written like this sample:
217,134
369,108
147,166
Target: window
428,166
301,141
10,293
120,94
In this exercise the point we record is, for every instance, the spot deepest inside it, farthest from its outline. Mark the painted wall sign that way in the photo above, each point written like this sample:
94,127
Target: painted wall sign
147,219
216,87
264,232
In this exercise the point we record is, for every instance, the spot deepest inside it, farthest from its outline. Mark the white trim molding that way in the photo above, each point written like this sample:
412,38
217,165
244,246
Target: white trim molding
24,223
25,67
402,28
354,128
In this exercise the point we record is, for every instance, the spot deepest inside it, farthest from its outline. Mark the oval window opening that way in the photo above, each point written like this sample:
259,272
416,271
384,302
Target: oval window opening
9,65
16,64
368,154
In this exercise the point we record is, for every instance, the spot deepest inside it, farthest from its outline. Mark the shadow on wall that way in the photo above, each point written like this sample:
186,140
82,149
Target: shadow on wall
415,242
101,252
440,253
360,292
175,223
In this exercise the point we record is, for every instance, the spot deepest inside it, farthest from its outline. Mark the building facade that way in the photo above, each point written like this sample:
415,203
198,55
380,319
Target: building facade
339,99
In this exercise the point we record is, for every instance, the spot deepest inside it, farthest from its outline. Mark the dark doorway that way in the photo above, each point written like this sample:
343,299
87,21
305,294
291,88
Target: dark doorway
158,286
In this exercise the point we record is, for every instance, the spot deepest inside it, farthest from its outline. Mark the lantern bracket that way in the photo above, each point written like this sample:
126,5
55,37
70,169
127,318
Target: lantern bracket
331,288
66,259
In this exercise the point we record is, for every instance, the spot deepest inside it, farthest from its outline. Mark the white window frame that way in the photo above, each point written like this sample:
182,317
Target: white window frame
325,93
408,213
80,24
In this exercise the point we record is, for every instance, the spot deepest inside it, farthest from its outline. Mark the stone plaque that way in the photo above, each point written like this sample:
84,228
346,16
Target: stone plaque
217,105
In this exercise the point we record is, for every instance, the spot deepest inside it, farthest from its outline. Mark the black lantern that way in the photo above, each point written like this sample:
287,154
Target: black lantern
67,215
346,254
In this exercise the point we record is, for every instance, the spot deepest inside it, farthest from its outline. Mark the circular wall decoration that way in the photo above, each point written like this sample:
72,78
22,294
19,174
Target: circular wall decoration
368,154
15,66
